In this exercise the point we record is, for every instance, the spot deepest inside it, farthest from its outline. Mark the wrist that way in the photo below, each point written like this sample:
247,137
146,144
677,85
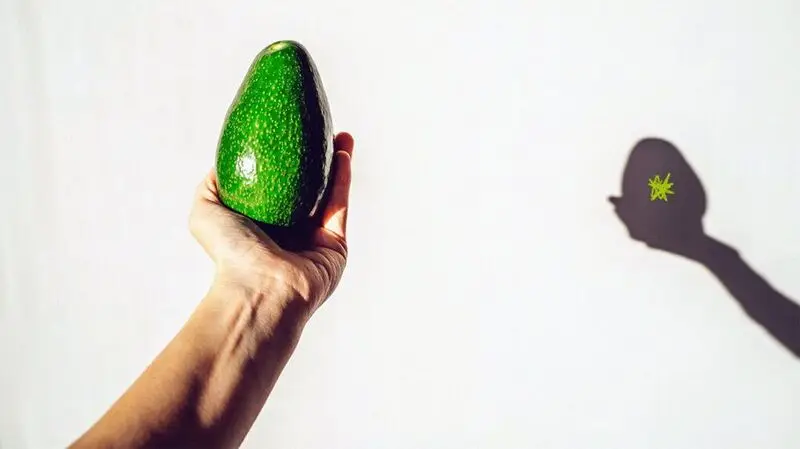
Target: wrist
261,314
238,339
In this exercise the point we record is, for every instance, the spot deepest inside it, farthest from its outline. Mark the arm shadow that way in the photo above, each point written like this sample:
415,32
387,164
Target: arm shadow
676,226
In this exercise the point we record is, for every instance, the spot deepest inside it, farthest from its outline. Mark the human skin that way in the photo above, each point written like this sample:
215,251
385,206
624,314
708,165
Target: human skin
206,388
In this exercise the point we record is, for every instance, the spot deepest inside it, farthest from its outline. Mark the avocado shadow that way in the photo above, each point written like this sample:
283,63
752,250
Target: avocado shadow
297,238
676,226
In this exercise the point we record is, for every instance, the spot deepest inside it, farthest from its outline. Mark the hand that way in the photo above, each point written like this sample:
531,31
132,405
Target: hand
675,226
246,256
654,225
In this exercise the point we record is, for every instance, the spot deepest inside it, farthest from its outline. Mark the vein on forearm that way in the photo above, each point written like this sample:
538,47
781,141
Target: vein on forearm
209,384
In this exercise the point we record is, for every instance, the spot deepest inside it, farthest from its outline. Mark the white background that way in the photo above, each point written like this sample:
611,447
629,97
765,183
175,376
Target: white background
492,299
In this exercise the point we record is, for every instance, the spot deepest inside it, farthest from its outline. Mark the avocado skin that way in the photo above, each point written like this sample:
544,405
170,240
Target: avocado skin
274,154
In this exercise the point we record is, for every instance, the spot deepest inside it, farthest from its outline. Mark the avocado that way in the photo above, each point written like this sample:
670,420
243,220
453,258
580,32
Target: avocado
274,154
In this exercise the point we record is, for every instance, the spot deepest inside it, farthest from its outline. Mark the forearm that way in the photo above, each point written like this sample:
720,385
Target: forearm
209,384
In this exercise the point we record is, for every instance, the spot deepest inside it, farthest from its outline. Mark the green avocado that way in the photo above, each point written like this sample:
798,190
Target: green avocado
276,146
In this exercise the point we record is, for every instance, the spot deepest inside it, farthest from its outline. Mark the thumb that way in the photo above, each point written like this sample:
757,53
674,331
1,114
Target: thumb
335,214
614,200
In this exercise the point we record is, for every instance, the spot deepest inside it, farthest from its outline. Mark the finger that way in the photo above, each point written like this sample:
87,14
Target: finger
334,219
343,142
614,200
207,189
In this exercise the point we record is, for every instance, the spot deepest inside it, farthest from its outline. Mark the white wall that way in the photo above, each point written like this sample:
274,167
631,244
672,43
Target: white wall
449,330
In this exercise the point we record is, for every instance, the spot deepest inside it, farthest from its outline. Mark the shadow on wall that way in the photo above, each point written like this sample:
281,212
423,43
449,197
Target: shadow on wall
676,226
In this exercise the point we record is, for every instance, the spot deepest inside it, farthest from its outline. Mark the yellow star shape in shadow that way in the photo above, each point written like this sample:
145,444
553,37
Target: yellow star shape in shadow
659,189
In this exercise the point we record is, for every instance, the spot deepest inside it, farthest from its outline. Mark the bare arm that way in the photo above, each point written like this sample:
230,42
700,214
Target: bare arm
209,384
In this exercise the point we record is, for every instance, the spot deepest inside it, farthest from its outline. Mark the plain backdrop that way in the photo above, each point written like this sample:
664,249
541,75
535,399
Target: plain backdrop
492,298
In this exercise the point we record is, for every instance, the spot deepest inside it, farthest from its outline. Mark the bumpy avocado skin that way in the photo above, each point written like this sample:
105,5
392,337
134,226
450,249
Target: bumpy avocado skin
276,146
